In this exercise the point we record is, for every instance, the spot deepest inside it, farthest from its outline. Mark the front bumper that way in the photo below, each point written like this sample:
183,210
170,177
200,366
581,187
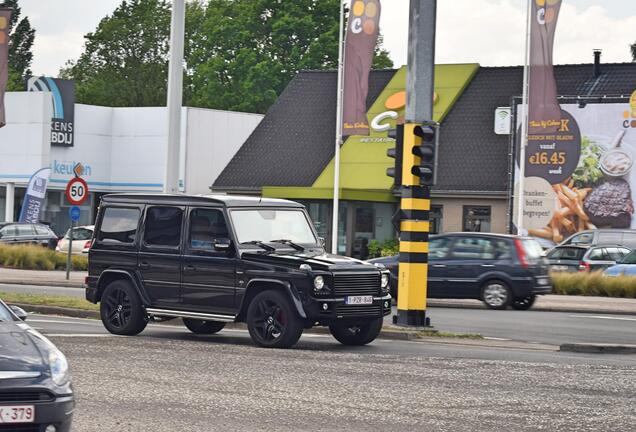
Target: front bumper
57,412
326,310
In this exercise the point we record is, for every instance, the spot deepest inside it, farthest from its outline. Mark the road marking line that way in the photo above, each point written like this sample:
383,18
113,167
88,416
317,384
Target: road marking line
77,335
496,338
603,317
61,322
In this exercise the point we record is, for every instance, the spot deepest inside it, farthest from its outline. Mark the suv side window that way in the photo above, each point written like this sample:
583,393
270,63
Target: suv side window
206,225
119,226
473,248
42,230
163,226
616,253
438,248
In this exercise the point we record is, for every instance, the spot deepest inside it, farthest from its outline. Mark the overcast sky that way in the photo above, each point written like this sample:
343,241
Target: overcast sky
490,32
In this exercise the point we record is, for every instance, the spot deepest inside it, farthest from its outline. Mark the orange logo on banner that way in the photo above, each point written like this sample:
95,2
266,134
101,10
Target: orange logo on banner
3,27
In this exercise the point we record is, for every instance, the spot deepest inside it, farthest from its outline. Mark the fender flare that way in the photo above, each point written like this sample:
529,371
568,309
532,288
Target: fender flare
288,289
145,299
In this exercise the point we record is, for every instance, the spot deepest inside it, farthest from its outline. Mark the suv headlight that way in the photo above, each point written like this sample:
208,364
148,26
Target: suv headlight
384,281
58,366
319,283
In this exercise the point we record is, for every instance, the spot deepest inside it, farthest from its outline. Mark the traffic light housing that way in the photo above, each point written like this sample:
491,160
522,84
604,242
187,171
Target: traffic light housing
396,153
420,148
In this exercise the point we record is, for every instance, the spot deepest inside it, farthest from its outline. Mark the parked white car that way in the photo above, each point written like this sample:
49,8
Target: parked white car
82,237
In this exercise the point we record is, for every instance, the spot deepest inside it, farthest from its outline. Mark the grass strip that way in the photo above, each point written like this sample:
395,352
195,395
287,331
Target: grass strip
451,335
48,300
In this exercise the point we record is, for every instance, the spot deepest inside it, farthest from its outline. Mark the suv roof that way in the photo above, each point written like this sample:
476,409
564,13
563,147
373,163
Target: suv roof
185,199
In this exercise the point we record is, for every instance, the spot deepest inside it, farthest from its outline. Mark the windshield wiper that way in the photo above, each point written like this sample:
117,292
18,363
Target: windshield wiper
289,243
265,246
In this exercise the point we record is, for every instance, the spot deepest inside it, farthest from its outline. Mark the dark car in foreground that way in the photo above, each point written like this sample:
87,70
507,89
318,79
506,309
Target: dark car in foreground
501,270
584,258
35,386
26,233
216,259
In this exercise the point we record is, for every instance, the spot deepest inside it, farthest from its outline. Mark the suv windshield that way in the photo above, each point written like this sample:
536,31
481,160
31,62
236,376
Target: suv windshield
266,225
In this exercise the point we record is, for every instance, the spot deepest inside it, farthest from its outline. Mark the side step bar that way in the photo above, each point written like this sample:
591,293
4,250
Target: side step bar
193,315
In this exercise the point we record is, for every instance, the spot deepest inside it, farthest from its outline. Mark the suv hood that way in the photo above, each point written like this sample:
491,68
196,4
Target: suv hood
17,350
317,260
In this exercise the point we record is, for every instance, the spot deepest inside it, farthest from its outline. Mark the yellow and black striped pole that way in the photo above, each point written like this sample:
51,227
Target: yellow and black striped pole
415,205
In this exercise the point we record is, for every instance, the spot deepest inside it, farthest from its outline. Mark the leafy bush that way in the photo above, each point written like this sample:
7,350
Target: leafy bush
386,248
30,257
594,284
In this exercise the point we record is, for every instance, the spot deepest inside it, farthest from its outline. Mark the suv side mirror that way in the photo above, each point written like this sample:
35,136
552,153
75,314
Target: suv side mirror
222,244
19,312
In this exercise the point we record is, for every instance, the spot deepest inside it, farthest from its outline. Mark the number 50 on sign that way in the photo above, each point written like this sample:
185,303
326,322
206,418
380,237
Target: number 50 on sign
76,191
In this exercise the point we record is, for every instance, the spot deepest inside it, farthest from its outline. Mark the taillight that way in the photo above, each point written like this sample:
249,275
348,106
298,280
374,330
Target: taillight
521,253
584,266
87,245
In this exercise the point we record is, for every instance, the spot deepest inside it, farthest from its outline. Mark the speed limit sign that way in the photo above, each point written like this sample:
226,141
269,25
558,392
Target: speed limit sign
76,191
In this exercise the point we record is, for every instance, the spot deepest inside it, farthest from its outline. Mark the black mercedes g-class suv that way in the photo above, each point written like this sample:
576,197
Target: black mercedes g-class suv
214,259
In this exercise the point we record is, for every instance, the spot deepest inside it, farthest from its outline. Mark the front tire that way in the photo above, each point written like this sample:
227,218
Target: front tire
272,321
523,303
358,334
203,327
121,310
496,294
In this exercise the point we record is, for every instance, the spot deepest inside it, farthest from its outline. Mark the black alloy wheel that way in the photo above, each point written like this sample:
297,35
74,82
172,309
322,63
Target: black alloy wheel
523,303
203,327
357,334
272,321
121,310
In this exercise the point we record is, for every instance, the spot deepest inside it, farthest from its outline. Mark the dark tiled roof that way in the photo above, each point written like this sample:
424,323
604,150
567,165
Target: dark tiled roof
295,141
471,156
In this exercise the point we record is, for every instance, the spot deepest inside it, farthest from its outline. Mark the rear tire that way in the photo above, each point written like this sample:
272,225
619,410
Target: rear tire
523,303
356,335
203,327
496,294
272,320
121,310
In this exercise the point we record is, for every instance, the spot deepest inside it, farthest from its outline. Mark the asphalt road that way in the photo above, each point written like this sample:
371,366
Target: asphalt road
529,326
167,379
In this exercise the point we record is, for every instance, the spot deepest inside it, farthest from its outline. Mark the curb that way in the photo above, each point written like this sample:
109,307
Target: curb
58,283
593,348
389,332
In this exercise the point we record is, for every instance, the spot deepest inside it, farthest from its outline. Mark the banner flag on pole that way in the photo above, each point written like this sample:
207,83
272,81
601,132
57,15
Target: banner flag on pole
5,24
363,28
34,198
544,113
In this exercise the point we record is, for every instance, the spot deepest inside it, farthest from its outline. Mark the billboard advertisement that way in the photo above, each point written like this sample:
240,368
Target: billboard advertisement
582,176
63,93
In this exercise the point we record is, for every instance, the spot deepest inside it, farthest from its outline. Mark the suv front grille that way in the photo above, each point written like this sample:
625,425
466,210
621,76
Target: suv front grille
356,284
345,311
21,428
25,396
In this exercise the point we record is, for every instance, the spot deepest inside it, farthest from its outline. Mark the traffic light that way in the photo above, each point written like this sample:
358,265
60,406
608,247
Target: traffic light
396,153
420,144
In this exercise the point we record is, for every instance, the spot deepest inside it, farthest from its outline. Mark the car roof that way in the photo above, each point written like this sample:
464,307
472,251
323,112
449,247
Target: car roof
185,199
480,234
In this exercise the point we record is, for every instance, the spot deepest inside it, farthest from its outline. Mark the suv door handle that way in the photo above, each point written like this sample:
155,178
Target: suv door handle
144,265
189,268
439,265
488,265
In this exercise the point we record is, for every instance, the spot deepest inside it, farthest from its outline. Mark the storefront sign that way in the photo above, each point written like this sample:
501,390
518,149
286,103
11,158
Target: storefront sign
63,93
34,198
582,176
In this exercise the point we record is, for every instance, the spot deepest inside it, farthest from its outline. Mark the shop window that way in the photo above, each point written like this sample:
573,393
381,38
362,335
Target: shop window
119,225
436,215
476,219
163,226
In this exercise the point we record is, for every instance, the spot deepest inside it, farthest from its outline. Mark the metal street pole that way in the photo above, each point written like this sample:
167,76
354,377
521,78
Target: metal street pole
336,161
175,96
415,203
69,262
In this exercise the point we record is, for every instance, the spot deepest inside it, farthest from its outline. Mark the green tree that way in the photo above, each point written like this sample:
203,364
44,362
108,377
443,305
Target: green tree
253,48
633,49
20,45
